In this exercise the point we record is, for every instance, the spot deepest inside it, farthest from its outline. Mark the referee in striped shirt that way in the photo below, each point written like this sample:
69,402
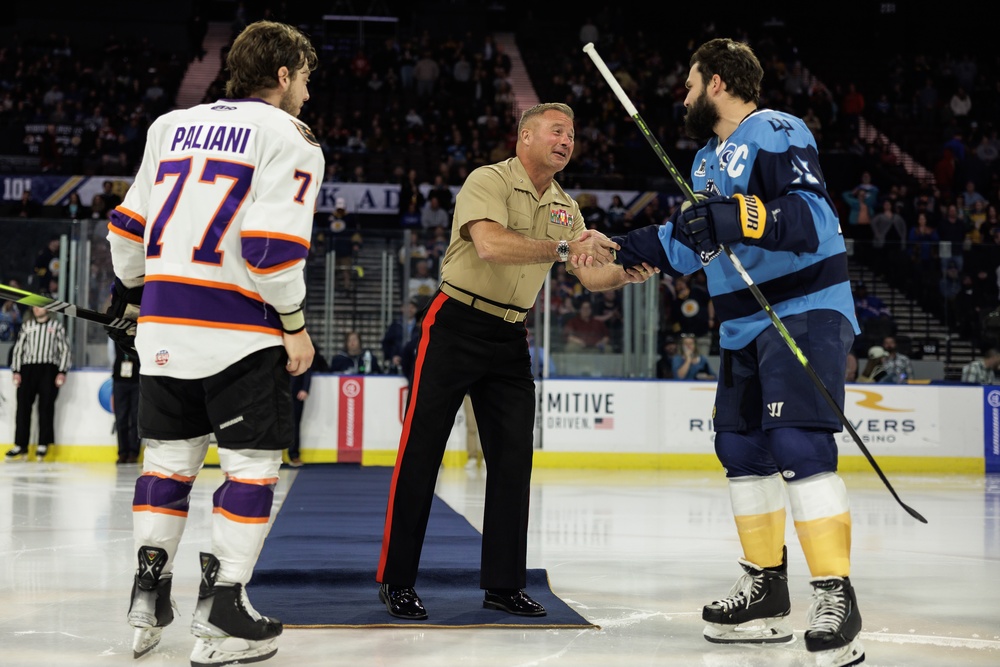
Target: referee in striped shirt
40,360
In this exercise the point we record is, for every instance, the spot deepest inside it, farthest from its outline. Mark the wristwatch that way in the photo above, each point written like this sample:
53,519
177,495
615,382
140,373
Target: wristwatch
562,249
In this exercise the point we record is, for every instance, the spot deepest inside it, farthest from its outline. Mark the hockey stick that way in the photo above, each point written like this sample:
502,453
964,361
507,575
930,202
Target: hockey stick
55,305
761,299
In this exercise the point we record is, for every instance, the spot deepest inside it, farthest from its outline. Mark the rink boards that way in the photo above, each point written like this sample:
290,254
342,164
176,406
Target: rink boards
584,423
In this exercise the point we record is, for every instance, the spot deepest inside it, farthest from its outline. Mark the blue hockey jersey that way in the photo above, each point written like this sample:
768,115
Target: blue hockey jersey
800,264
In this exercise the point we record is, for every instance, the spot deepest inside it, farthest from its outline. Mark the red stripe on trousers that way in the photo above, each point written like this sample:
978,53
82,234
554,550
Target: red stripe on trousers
425,339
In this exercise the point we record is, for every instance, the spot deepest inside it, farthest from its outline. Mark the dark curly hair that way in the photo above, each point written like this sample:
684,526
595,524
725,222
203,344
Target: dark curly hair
735,63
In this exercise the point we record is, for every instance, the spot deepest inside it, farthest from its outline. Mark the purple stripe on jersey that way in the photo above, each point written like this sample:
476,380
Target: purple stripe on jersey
162,298
264,253
252,501
127,223
163,493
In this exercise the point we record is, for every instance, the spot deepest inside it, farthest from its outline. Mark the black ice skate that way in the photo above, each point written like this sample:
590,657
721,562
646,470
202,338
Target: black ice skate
756,610
151,608
228,628
834,623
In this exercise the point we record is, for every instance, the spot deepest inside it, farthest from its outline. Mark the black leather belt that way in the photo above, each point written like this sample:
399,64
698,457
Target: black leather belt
505,313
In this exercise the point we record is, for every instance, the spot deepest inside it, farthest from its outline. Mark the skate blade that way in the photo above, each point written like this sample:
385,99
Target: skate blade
845,656
753,632
145,640
231,651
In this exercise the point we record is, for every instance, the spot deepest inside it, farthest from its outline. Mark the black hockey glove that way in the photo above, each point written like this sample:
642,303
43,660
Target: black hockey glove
643,245
124,305
712,222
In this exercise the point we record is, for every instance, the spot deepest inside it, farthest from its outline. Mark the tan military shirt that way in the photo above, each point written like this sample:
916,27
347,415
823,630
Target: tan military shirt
502,192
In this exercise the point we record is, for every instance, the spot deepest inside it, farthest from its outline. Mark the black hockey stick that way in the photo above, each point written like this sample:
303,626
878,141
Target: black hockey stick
55,305
761,299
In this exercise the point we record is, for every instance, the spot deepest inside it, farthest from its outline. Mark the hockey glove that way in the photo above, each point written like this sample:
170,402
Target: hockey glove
721,220
124,305
643,245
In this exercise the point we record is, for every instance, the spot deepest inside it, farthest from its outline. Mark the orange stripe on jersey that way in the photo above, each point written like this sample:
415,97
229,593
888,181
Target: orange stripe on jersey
132,214
124,234
275,235
418,364
209,325
158,277
273,269
240,519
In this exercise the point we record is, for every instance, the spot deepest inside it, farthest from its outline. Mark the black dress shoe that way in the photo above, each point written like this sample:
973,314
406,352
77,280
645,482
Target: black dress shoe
402,602
512,601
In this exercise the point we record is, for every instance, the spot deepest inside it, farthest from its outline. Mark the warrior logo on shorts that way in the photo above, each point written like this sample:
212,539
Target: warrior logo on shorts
162,358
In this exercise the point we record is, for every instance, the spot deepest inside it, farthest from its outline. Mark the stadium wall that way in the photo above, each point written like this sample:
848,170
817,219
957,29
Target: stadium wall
583,423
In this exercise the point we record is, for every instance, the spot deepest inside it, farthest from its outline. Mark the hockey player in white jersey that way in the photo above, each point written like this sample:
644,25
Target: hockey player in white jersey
209,248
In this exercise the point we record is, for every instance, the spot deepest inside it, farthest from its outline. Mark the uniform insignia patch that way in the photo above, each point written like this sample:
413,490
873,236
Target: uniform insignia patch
561,217
306,133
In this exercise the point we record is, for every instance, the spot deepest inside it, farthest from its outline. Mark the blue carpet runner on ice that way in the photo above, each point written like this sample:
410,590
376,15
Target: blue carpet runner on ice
317,567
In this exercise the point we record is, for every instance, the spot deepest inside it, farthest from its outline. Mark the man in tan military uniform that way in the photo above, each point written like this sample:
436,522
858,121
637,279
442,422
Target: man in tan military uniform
512,222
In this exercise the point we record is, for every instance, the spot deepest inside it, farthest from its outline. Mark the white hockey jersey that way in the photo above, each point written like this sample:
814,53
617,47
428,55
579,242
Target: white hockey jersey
218,223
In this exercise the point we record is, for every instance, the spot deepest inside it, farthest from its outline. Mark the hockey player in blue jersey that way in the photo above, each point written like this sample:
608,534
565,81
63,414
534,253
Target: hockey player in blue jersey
761,193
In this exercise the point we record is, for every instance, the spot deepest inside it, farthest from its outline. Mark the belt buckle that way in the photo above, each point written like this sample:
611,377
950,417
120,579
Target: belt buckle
510,316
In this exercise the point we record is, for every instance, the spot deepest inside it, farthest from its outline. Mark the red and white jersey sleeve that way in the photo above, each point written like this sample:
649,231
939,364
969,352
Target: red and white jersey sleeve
217,224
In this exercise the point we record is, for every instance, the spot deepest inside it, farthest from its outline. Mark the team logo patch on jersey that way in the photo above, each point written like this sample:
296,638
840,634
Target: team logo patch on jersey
162,358
701,168
306,133
561,217
726,155
223,107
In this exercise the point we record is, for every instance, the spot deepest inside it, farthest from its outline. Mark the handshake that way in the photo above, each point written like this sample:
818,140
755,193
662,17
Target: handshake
703,226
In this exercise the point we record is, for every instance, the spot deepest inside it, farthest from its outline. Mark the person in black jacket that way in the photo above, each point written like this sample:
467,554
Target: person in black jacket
125,392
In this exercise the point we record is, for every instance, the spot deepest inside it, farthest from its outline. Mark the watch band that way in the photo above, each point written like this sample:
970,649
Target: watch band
562,249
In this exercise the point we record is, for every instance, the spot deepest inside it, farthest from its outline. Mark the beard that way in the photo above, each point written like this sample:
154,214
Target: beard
288,105
701,119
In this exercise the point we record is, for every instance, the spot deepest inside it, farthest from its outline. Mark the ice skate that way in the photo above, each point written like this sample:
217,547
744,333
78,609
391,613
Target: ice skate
834,623
756,610
152,608
228,628
15,453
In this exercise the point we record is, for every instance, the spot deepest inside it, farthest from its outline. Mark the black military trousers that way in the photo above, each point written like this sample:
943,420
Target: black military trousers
465,350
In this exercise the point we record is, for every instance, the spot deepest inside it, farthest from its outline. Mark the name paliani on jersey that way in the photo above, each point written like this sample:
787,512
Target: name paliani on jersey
225,137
